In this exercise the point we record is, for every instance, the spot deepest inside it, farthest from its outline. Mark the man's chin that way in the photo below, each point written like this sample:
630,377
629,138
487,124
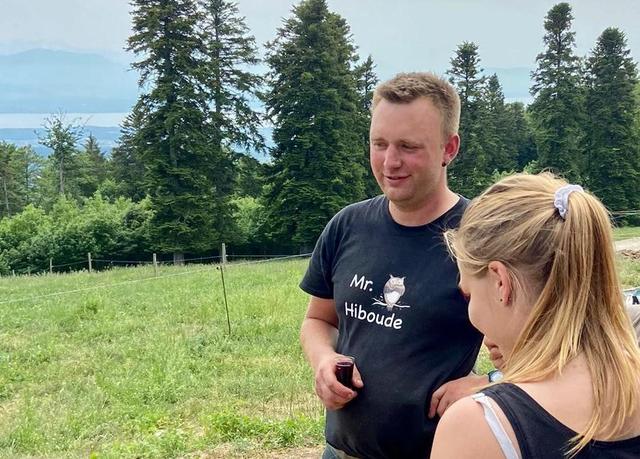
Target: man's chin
401,201
396,195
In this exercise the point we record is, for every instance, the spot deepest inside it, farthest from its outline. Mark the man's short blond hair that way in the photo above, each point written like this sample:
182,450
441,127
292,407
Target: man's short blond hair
407,87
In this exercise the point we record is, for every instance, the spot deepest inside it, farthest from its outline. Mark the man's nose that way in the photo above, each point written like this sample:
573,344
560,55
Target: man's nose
392,158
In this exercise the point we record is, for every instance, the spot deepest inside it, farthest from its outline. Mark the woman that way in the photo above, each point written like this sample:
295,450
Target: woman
536,259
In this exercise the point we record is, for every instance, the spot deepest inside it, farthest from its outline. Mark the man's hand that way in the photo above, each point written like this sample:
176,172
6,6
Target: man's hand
333,394
494,354
454,390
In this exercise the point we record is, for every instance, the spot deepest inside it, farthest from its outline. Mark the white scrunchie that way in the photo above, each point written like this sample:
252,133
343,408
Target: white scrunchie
561,198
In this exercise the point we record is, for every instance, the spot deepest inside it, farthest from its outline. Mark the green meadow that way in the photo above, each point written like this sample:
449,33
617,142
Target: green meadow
626,232
123,364
146,367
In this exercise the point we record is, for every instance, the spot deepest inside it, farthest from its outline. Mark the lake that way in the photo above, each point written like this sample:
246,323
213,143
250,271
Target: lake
23,129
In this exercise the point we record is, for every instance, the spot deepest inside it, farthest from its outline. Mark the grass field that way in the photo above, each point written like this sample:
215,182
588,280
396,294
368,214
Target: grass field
626,232
145,367
148,369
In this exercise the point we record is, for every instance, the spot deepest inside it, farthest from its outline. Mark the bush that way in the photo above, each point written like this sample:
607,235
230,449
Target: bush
114,230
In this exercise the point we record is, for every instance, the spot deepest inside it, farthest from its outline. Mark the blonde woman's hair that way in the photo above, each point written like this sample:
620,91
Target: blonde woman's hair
567,268
404,88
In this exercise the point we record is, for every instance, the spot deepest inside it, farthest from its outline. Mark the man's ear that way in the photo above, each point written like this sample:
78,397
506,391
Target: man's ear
451,148
502,281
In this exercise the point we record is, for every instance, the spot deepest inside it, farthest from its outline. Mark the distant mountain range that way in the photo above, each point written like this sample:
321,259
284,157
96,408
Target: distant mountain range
51,81
47,81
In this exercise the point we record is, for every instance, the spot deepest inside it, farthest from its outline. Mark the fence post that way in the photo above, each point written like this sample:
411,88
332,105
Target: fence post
13,272
224,294
50,265
155,265
89,258
223,253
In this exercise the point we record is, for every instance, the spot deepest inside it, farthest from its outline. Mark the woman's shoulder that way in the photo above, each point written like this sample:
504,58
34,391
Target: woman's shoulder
463,432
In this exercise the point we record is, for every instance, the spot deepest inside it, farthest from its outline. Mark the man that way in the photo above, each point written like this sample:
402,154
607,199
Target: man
384,289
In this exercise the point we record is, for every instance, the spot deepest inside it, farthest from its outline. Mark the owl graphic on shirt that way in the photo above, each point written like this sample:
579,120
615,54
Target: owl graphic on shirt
391,293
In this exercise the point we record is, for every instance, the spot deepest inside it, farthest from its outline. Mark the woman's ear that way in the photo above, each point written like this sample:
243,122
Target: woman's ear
502,281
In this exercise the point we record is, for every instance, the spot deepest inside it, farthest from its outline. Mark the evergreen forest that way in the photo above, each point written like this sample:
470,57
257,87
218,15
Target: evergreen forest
181,181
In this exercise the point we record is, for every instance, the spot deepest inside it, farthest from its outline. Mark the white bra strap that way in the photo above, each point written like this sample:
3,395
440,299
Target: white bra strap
496,427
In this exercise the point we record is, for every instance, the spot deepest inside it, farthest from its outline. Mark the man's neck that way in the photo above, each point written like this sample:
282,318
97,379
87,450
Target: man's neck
432,209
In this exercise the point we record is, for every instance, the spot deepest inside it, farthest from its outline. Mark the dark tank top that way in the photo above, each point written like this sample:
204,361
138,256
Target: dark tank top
540,435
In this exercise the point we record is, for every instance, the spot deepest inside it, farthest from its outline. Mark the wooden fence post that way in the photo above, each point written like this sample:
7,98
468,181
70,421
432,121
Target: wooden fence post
90,266
223,253
155,265
50,265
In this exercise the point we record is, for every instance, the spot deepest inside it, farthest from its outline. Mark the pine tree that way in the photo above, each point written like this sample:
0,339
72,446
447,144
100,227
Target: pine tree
231,50
612,141
501,154
520,135
92,168
186,176
366,80
233,91
29,164
313,102
469,173
249,177
557,110
62,138
125,165
93,151
11,191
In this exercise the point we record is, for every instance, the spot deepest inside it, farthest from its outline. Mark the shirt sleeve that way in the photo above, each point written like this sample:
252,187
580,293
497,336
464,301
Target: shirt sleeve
318,280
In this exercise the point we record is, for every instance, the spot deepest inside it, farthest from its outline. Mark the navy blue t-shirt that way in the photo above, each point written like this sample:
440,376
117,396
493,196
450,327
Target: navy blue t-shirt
401,316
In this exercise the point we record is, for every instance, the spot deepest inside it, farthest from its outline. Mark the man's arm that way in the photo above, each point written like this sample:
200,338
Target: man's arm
318,336
454,390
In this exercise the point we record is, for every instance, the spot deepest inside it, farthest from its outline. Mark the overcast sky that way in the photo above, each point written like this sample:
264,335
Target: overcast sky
401,35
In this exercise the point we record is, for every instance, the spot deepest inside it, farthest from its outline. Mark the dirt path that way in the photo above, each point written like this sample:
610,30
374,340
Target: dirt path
628,244
226,452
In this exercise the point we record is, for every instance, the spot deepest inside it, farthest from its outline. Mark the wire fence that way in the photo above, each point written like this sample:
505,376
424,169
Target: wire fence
99,263
157,276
